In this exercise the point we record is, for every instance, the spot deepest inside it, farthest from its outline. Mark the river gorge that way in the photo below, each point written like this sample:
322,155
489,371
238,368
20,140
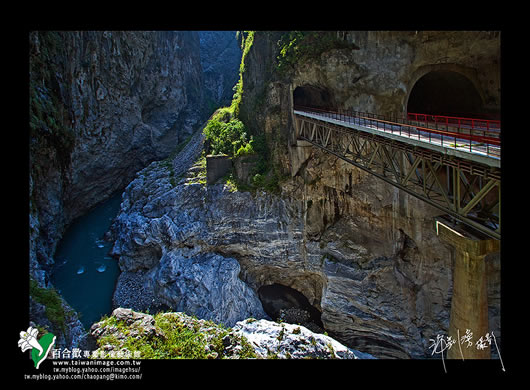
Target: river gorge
121,124
84,273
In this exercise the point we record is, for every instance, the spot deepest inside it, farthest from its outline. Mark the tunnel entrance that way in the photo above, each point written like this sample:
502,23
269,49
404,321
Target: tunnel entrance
446,93
289,305
312,96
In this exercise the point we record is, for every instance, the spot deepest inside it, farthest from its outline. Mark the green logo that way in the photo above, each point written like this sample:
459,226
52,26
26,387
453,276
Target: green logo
39,348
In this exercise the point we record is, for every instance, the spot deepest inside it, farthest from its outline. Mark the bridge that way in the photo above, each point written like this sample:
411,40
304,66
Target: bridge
452,163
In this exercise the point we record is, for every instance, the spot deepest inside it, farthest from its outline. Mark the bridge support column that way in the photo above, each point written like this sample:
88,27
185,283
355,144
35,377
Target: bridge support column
469,305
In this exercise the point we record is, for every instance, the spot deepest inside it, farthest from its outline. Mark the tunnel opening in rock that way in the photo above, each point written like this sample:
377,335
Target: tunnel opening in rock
313,96
446,93
289,305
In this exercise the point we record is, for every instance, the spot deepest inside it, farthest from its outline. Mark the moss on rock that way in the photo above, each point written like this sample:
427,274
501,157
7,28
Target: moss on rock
166,335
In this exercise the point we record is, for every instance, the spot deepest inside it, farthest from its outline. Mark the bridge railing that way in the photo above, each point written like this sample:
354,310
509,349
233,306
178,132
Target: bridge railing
458,123
474,134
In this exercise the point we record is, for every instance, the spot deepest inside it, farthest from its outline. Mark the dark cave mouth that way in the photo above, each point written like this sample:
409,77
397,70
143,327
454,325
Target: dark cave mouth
289,305
448,93
313,96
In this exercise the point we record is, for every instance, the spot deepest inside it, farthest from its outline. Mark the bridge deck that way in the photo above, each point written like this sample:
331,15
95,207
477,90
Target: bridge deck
483,148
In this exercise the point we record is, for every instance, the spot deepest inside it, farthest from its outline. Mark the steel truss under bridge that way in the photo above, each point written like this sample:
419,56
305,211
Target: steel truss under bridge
458,184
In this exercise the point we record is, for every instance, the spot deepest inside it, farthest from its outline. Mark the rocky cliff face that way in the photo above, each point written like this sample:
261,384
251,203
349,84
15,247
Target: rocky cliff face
378,293
387,279
103,105
363,253
367,71
220,59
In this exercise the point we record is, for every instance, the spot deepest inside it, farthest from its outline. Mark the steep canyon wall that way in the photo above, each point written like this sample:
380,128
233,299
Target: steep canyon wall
102,106
363,253
386,277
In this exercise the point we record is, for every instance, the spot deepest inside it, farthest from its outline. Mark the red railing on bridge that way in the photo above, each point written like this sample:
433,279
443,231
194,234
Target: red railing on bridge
479,133
458,122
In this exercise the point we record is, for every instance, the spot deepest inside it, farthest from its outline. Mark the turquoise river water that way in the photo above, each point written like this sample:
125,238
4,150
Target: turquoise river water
84,273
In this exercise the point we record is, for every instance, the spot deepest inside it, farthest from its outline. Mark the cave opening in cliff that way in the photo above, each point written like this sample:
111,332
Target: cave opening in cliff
445,93
313,96
289,305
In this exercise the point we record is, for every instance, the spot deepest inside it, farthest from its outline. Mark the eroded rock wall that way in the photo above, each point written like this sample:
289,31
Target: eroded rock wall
220,59
386,278
103,105
377,288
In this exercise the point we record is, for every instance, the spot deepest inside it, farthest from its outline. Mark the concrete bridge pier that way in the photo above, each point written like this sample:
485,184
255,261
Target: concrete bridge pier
469,305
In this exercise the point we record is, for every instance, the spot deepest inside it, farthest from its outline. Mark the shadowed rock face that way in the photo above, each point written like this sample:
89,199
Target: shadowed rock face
288,304
220,59
104,105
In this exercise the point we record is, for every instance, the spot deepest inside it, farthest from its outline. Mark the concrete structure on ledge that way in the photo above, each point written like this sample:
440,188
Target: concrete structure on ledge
217,167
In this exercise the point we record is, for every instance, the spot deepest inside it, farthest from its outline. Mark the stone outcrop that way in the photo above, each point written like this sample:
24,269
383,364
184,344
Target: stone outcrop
206,285
248,339
290,341
383,298
177,267
170,273
127,333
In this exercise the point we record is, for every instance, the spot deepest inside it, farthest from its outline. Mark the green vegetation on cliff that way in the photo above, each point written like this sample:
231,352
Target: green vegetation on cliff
296,47
52,302
227,133
168,336
247,39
